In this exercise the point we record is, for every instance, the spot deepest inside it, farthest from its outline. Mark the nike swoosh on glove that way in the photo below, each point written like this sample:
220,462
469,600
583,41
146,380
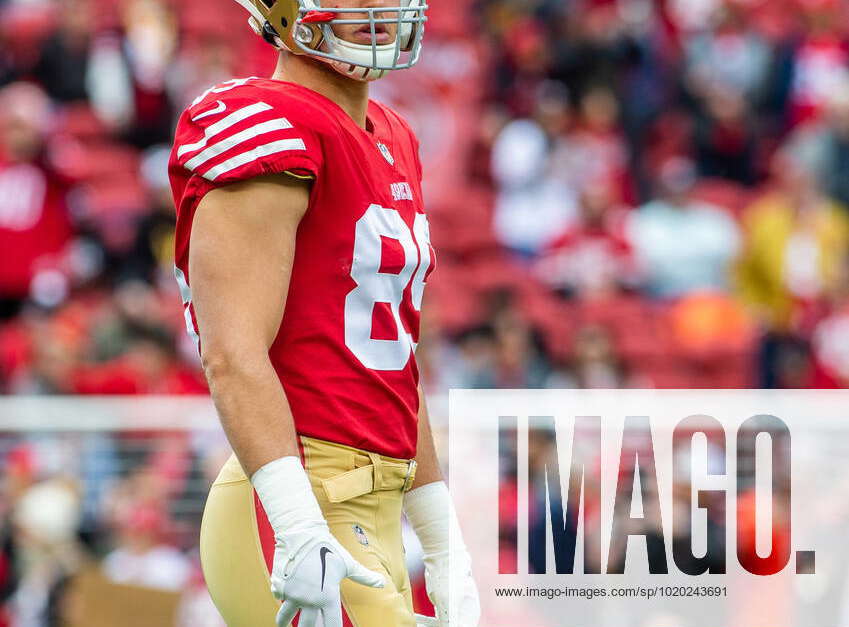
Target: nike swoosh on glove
431,513
309,563
307,577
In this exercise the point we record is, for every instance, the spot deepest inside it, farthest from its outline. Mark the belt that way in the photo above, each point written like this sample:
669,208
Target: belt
381,474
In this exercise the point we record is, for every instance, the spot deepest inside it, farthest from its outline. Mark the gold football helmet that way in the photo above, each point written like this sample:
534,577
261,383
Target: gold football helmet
306,27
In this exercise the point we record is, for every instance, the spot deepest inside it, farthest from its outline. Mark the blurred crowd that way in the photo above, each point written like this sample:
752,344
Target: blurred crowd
643,193
82,513
665,197
622,193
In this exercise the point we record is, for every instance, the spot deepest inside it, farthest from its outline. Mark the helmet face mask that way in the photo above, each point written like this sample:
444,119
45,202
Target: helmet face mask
306,27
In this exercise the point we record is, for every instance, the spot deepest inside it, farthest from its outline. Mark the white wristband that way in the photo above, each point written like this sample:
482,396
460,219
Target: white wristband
287,497
431,513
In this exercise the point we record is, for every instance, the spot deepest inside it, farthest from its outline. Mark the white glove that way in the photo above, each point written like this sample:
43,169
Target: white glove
309,563
431,513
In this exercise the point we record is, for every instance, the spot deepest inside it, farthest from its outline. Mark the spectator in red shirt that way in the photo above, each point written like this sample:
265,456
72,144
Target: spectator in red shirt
592,258
34,225
819,62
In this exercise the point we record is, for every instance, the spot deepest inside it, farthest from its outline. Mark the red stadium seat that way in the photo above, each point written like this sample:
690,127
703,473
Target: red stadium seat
104,162
79,121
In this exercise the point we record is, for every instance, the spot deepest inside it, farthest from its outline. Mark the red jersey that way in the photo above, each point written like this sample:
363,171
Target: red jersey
344,352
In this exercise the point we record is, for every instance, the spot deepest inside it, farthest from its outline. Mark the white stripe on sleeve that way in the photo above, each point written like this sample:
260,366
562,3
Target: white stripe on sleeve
241,137
222,125
252,155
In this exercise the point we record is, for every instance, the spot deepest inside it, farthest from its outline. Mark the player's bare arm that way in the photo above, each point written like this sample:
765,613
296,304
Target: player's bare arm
240,261
243,247
427,460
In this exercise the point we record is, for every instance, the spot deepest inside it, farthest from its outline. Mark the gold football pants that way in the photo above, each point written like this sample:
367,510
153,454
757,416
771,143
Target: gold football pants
360,494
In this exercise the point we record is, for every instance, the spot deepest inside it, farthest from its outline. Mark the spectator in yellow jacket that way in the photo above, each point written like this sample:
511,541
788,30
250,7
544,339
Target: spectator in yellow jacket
795,242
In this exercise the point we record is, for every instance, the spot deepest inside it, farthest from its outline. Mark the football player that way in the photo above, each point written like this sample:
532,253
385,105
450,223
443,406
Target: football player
302,254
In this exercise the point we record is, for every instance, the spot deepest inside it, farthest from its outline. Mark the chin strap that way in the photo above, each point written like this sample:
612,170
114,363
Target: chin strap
271,36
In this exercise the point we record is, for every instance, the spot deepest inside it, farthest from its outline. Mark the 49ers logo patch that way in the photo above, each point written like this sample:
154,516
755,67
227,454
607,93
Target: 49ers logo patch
384,150
362,538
